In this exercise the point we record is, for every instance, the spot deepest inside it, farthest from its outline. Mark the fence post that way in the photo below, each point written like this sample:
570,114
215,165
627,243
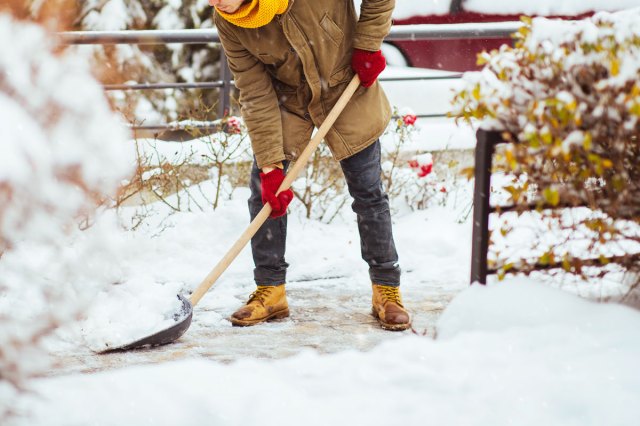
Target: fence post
224,103
481,208
455,7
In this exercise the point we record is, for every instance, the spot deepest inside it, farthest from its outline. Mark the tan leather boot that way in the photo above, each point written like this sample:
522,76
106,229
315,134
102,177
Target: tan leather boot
267,302
387,308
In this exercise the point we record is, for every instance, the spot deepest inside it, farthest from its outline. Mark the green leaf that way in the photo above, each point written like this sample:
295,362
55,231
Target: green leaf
514,192
545,259
468,172
551,196
618,183
615,67
476,92
587,142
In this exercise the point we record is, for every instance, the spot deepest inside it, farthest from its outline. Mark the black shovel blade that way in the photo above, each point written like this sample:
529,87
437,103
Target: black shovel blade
182,322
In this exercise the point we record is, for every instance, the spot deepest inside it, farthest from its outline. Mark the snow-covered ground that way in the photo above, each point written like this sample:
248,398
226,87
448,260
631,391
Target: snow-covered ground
514,353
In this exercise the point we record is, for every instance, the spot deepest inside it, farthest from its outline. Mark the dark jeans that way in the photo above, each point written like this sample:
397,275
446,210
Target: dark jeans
362,173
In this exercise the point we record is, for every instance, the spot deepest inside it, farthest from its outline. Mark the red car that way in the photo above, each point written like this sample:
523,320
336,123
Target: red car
459,54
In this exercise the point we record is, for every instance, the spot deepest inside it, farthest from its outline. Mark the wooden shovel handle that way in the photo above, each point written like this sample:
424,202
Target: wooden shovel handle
292,174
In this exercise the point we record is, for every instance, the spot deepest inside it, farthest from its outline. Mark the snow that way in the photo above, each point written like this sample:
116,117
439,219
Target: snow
407,8
168,18
112,16
510,353
515,351
526,84
546,7
410,8
126,313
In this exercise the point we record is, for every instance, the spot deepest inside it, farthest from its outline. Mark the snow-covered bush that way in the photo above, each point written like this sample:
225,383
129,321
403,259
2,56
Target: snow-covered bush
155,63
569,94
172,172
321,188
62,150
399,132
414,180
128,63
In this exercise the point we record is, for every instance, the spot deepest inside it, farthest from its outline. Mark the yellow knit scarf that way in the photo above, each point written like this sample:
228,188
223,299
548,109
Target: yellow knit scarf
255,14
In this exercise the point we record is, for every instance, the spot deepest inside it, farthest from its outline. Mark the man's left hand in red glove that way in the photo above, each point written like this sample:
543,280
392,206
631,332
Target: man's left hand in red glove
368,65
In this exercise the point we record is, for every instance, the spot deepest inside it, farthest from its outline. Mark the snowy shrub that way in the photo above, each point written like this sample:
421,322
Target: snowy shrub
414,180
154,63
423,188
399,132
61,151
128,63
173,172
321,187
568,93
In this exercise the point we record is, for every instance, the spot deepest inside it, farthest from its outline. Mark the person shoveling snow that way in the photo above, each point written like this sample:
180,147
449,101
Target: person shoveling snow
284,68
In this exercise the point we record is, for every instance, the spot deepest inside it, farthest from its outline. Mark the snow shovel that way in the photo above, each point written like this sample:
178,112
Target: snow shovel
183,316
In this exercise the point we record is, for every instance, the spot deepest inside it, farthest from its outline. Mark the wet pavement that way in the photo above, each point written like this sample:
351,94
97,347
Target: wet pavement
327,315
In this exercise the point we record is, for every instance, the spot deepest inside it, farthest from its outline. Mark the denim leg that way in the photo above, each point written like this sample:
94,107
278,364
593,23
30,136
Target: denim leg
362,172
268,245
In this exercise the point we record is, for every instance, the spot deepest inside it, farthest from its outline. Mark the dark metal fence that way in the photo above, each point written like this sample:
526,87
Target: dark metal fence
225,84
486,142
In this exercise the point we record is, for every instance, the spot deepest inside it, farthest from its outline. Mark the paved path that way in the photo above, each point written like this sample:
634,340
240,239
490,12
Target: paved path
327,315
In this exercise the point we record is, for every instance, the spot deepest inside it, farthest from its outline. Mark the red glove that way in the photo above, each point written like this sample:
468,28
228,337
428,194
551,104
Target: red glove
368,65
269,184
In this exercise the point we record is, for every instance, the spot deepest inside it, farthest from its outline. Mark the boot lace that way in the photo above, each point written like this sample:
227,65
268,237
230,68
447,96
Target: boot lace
260,294
390,294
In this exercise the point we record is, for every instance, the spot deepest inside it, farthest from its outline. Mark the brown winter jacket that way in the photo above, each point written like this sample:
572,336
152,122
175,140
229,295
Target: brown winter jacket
292,71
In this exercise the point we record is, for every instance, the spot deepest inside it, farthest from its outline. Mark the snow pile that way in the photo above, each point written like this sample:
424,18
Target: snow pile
127,313
522,304
511,353
62,149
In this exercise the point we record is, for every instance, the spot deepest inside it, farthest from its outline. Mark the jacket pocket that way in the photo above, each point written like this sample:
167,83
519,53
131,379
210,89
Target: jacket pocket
341,76
332,29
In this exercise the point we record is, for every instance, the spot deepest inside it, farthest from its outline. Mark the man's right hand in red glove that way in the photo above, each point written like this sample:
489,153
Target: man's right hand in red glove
368,65
270,181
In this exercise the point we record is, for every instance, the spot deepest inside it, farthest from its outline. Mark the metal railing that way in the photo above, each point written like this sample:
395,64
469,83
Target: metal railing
479,30
486,142
225,84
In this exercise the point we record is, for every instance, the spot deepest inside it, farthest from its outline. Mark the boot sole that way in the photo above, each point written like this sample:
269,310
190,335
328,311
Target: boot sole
388,326
274,316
